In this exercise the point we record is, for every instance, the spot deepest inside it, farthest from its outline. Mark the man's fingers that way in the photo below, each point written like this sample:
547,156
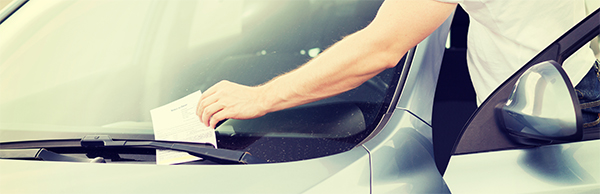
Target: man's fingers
219,116
210,96
209,111
227,100
213,89
203,103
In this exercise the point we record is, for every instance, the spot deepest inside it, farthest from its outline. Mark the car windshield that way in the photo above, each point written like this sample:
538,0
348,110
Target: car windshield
101,66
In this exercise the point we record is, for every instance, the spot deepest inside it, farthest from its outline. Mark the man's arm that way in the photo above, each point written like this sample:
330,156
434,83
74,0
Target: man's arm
398,26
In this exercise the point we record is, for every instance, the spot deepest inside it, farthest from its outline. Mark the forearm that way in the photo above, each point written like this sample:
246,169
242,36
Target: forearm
358,57
398,26
340,68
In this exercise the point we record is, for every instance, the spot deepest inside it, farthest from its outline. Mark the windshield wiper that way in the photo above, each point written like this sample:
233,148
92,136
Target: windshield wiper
202,150
43,154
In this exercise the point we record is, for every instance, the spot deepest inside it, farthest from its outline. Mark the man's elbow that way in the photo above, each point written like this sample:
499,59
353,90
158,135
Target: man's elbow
381,49
390,49
392,54
391,63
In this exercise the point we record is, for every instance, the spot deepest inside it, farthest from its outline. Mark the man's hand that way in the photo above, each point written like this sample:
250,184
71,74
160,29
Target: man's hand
227,100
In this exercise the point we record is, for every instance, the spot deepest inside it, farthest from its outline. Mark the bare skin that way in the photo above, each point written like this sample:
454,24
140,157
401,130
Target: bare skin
398,26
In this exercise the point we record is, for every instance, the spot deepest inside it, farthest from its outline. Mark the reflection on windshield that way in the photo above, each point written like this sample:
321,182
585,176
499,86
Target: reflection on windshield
105,64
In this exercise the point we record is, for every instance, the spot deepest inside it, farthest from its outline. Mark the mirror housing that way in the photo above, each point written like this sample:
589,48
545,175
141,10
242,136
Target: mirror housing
542,108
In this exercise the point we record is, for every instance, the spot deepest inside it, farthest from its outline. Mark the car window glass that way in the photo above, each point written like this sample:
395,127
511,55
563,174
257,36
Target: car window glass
97,65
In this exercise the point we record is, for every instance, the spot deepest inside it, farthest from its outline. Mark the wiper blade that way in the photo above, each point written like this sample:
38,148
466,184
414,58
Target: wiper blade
43,154
203,150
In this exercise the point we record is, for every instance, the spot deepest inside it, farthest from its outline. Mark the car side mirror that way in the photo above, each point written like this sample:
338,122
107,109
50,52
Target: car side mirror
542,108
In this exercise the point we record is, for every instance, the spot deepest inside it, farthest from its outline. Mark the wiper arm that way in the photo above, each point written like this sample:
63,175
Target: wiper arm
43,154
203,150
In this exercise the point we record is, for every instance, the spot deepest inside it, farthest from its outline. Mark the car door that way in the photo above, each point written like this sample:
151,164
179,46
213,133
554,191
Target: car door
490,157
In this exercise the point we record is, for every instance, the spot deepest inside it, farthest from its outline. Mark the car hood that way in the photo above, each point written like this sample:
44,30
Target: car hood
349,169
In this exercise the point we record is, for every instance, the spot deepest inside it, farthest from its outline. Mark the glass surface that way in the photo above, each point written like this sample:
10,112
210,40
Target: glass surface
101,66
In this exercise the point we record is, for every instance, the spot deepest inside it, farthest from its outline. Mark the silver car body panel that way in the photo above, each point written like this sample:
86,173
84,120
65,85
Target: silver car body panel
402,153
560,168
403,162
17,176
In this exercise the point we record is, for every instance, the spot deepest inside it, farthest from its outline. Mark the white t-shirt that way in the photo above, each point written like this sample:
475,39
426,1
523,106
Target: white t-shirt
505,34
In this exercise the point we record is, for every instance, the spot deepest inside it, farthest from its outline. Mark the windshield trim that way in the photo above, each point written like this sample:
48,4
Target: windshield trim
393,96
11,8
